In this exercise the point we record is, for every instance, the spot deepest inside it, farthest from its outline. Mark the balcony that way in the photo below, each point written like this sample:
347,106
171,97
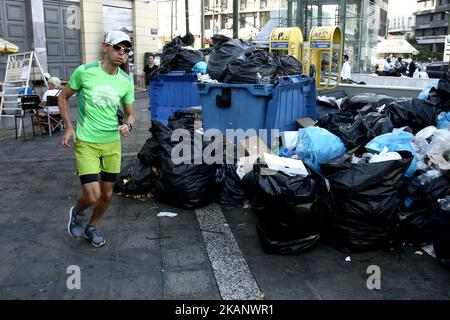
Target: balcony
441,8
432,24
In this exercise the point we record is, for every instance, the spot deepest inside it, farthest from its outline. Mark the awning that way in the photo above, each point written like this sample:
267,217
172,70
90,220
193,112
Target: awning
396,46
7,47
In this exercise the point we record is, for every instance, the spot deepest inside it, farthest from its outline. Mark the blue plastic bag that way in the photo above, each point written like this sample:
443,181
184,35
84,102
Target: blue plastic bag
443,120
426,91
396,141
200,67
317,145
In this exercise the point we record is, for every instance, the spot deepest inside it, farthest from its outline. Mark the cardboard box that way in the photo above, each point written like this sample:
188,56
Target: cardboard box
289,166
253,146
305,122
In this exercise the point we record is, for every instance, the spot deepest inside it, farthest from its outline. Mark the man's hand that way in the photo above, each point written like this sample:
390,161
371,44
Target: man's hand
68,135
124,130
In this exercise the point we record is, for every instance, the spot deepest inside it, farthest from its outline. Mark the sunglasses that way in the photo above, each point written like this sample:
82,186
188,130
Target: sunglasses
119,48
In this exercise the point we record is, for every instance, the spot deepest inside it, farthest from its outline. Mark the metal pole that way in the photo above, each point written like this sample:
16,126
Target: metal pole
235,19
447,38
186,5
171,19
213,23
202,22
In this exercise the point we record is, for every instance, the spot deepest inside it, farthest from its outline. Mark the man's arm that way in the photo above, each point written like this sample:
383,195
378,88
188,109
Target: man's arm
63,103
128,119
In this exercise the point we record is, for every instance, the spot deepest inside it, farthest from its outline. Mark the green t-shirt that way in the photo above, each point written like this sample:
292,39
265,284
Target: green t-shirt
99,98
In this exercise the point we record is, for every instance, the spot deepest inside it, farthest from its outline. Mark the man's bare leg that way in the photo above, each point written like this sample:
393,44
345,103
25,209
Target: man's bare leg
106,191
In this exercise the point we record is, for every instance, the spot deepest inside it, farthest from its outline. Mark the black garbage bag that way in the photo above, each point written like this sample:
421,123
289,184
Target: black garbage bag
177,58
185,119
223,53
230,192
430,225
377,124
343,125
151,152
251,67
422,191
367,124
169,54
288,66
359,203
412,112
441,235
186,185
282,203
187,58
353,135
136,178
333,121
219,39
157,146
443,91
358,101
186,181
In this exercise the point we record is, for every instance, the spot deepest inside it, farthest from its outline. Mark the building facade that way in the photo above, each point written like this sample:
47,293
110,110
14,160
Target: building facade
65,34
401,17
432,23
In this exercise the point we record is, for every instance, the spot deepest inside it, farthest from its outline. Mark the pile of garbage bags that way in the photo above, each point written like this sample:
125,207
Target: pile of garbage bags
230,61
236,61
376,169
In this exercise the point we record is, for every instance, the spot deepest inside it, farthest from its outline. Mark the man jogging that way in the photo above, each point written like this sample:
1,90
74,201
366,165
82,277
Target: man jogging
102,86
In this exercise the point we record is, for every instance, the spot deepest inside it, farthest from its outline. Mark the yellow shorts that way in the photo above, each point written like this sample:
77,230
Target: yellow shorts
93,158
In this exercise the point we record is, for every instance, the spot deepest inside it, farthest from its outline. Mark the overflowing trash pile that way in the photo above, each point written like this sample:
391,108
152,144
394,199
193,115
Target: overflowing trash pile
231,61
373,171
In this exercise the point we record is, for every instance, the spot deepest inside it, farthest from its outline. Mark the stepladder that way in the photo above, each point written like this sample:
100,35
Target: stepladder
21,70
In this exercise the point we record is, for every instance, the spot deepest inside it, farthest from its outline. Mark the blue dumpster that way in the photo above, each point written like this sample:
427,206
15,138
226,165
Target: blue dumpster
258,106
170,92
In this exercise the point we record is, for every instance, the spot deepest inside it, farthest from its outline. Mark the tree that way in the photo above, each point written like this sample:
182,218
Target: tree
425,54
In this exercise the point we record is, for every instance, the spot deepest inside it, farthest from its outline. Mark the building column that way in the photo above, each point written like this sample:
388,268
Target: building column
39,39
92,31
144,19
434,47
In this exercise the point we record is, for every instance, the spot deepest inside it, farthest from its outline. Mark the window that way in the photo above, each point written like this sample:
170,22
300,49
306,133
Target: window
224,4
264,18
243,5
263,4
223,21
431,17
208,20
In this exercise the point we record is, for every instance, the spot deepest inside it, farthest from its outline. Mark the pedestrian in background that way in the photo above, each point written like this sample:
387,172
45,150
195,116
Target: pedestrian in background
346,72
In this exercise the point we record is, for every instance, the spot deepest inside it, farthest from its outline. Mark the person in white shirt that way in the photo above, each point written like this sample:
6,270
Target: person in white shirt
419,74
54,88
346,71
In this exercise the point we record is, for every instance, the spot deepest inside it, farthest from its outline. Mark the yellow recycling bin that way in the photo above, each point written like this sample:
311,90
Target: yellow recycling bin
325,53
286,41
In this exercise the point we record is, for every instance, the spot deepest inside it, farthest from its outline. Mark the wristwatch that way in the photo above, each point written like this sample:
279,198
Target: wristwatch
130,127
